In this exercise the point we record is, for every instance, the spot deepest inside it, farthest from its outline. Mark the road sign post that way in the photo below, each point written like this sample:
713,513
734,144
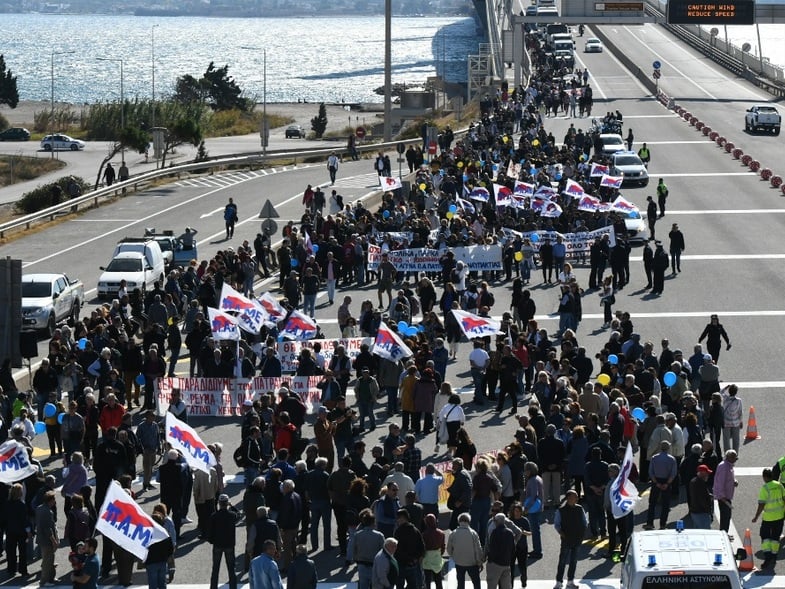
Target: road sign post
400,148
268,213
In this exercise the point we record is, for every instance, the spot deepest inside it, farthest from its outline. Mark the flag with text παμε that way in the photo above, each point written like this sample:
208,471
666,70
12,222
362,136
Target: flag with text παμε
14,463
185,440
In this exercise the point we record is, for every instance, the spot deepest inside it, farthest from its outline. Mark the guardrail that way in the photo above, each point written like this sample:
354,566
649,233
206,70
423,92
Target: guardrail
247,159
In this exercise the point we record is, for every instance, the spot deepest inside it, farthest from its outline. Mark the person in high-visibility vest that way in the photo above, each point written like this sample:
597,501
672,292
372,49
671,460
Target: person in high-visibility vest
645,155
778,472
771,503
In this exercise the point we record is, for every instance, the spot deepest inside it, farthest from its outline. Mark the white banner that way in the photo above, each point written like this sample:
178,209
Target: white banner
576,242
184,439
223,397
624,494
126,524
288,351
476,257
14,463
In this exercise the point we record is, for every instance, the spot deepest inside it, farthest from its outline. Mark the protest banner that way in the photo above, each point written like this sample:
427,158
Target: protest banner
477,257
576,243
223,397
289,351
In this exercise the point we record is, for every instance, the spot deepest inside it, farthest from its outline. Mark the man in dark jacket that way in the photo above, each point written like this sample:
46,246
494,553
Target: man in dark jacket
221,534
263,529
157,557
411,548
460,492
551,454
289,516
302,573
171,487
570,523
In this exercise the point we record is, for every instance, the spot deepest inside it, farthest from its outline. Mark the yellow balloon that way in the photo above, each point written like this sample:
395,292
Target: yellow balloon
423,186
604,379
450,214
460,164
518,256
536,142
505,139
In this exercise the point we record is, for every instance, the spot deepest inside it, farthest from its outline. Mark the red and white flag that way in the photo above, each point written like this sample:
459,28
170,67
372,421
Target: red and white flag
185,440
233,301
611,181
623,494
126,524
546,208
299,327
598,170
223,325
389,345
474,326
503,196
622,205
390,182
573,189
274,309
14,463
589,204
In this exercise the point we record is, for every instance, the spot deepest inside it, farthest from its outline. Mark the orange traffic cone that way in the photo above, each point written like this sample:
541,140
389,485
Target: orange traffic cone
747,564
752,427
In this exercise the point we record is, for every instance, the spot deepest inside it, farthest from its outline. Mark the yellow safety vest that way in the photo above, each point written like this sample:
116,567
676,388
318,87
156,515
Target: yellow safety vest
772,496
643,154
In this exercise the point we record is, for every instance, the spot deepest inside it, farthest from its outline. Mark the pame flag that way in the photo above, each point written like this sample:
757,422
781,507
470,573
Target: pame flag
124,523
390,183
465,205
233,301
481,194
223,325
275,310
503,195
14,463
546,192
589,204
622,205
611,181
523,189
598,170
573,189
299,326
546,208
474,326
624,494
185,440
389,345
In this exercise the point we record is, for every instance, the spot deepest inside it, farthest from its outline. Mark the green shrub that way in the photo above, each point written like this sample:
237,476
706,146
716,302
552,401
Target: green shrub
3,122
41,198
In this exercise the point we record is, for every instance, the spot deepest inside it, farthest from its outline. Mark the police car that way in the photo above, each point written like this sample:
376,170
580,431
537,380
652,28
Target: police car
630,166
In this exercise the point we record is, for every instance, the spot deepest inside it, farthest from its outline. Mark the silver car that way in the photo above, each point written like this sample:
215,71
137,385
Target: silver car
630,166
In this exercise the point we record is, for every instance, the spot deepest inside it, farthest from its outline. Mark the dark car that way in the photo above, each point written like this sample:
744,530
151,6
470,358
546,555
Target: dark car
15,134
295,131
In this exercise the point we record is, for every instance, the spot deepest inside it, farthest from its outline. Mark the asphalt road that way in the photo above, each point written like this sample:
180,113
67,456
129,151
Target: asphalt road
732,266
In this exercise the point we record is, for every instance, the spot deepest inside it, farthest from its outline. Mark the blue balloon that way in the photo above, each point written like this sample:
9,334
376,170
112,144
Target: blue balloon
315,248
613,359
453,209
49,410
386,214
558,176
421,328
411,331
669,378
535,237
403,326
139,379
60,418
294,262
82,343
639,414
40,427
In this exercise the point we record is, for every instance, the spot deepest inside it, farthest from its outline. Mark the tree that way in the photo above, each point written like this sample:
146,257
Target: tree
184,130
8,93
319,122
216,88
134,138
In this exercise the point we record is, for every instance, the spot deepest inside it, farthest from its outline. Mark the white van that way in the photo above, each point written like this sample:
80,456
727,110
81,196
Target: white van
139,262
690,559
562,38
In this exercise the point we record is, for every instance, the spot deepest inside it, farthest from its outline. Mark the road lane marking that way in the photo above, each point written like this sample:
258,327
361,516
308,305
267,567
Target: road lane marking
730,212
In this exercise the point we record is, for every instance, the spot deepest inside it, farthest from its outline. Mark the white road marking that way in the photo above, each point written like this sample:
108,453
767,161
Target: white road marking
723,257
730,212
101,220
705,174
218,210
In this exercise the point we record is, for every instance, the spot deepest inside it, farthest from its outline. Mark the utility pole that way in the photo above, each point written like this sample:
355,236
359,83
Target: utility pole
387,70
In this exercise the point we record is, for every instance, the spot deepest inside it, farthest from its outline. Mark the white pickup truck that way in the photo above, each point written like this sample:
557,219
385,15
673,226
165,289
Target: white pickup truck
762,117
48,299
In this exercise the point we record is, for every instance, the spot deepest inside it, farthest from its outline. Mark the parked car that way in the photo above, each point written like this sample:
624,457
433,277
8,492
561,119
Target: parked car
630,166
15,134
61,142
48,299
295,131
592,45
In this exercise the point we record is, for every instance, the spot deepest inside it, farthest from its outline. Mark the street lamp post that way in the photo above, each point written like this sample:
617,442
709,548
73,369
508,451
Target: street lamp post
152,60
265,130
122,98
52,111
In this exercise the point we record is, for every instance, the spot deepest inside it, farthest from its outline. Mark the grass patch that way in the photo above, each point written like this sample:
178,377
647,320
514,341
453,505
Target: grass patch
17,168
228,123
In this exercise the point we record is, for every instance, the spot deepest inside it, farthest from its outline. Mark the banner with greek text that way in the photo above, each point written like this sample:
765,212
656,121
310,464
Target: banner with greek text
477,257
223,397
577,243
288,351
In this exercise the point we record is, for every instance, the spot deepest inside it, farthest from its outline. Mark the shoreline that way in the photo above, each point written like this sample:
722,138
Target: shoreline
302,112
